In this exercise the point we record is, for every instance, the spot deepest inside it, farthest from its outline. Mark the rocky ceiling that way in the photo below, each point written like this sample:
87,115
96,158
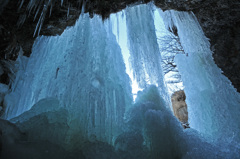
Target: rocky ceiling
220,20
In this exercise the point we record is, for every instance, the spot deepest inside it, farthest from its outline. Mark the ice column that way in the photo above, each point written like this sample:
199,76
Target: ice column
144,51
213,103
84,69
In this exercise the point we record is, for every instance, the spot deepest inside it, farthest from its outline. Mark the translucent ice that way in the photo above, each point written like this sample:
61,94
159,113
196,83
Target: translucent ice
214,105
83,68
145,57
74,92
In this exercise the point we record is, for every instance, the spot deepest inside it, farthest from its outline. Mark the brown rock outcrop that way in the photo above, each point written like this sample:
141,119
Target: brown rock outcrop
180,107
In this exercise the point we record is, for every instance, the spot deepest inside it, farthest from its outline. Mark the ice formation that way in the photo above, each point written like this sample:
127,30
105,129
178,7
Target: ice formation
214,105
83,68
73,95
144,51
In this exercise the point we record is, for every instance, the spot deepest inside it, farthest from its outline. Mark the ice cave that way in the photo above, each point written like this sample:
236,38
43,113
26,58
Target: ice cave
100,90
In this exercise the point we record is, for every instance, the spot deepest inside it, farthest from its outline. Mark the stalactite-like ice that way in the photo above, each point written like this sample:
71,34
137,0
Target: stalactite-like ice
145,57
213,103
84,69
73,92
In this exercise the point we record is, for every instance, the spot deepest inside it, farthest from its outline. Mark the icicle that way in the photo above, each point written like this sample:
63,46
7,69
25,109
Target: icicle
37,26
21,20
41,19
20,6
83,7
68,11
36,13
50,12
145,56
117,26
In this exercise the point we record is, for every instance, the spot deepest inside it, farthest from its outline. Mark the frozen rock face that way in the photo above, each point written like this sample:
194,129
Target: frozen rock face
179,106
16,144
10,133
47,117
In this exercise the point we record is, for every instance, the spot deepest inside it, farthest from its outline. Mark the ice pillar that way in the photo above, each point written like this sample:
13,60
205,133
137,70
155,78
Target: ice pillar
144,51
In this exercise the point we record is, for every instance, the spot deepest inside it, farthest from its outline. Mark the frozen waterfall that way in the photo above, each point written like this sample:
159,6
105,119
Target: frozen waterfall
214,105
84,70
74,92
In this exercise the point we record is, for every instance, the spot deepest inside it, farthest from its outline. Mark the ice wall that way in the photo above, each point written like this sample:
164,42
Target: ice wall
83,68
213,103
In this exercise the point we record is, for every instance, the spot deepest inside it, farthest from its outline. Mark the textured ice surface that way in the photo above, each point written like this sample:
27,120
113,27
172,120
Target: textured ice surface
153,133
145,57
73,92
46,121
213,103
84,70
44,105
4,89
119,28
163,135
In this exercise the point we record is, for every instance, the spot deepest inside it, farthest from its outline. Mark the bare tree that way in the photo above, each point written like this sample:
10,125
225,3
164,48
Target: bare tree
170,46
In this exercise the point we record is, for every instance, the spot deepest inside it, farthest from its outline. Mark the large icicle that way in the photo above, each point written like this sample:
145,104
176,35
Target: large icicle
145,56
213,103
83,68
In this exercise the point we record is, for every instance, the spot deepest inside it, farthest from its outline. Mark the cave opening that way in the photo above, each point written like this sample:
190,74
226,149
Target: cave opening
73,95
169,46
